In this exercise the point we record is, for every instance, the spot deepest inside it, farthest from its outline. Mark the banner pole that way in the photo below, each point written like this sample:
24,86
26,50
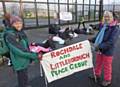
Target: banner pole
93,51
41,74
46,82
94,74
41,71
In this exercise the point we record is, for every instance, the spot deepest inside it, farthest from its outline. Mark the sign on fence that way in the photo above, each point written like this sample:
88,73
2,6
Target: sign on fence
66,16
68,60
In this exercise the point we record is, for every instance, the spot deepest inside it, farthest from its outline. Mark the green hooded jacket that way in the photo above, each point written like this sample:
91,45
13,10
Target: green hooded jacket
20,54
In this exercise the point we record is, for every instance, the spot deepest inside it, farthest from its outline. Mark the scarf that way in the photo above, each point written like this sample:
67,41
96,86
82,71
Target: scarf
100,36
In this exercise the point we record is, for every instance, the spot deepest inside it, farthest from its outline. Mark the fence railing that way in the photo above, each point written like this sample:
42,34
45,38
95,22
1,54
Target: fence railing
41,14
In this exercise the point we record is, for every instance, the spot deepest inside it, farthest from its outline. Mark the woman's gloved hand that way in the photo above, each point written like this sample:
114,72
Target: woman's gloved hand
90,40
97,48
40,55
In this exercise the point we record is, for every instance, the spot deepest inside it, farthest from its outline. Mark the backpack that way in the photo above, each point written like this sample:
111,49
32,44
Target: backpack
4,50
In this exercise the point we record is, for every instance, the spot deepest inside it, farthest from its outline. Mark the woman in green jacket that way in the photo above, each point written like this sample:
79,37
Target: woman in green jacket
21,57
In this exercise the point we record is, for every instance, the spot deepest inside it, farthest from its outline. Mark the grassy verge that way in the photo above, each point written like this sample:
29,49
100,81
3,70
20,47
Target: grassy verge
39,17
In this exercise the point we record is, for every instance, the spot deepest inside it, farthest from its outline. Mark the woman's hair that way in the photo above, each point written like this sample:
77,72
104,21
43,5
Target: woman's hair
108,13
14,19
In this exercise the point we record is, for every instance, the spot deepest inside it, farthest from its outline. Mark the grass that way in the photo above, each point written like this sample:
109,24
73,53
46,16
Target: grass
43,17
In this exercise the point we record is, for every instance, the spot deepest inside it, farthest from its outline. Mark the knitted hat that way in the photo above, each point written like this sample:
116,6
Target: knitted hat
14,19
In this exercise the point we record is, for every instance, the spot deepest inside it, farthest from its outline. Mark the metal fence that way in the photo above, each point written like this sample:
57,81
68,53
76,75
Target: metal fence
39,13
115,7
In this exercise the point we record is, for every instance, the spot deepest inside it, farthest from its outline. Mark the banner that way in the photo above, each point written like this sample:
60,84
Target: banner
66,16
68,60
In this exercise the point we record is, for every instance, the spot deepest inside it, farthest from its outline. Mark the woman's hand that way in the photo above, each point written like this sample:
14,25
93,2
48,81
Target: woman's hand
40,55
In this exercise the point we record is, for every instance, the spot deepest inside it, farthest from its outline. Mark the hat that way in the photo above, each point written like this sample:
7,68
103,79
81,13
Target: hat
14,19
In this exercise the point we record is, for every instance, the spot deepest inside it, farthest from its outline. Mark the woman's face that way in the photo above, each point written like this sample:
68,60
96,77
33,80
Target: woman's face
18,25
107,18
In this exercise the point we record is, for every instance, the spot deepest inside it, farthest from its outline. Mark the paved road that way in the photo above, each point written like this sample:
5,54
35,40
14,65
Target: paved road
80,79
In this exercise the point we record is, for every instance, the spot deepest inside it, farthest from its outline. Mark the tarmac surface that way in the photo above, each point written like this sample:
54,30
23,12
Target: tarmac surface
80,79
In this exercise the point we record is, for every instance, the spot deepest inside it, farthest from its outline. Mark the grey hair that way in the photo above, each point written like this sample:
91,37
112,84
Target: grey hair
110,15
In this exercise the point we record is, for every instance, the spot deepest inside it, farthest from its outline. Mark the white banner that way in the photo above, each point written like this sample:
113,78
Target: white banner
68,60
66,16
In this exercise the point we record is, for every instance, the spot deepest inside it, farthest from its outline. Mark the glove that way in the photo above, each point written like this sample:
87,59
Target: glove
90,39
40,55
97,48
